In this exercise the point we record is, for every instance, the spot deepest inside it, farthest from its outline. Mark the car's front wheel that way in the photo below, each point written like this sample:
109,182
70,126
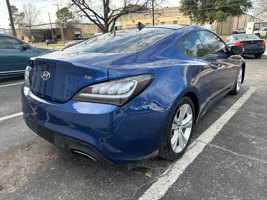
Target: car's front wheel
258,55
178,133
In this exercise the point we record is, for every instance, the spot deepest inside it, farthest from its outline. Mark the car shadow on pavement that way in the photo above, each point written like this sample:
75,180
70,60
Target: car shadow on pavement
16,78
253,58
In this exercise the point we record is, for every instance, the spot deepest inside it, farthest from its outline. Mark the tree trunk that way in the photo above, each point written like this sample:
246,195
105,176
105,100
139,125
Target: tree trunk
11,18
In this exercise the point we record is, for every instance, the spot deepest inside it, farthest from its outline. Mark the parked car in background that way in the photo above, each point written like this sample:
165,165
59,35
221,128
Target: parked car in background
238,31
50,41
15,54
130,95
251,43
73,42
262,32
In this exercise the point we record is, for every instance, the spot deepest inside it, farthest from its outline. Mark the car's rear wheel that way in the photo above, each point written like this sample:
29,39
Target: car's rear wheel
178,133
258,55
238,82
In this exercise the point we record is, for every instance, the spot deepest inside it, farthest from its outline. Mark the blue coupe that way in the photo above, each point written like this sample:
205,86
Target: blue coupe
132,94
15,54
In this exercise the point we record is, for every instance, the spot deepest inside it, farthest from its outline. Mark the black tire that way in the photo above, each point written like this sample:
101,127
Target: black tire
258,55
238,82
166,150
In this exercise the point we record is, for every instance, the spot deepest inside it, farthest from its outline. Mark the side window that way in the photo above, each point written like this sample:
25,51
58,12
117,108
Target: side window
212,43
191,46
9,43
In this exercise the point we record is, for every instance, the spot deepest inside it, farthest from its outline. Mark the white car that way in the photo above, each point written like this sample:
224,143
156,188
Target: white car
262,32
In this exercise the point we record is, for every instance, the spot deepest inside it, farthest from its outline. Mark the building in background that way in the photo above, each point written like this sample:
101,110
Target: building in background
168,15
162,16
234,23
174,16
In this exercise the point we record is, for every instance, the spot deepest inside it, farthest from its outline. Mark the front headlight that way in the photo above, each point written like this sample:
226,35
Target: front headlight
27,75
116,92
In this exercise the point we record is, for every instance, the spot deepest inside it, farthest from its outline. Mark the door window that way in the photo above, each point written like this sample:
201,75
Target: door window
9,43
191,46
212,43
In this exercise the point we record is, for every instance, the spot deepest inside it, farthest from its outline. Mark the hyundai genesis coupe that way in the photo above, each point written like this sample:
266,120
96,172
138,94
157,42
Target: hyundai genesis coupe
130,94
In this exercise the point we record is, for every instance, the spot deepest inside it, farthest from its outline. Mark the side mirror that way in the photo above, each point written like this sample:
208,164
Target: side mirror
237,50
23,47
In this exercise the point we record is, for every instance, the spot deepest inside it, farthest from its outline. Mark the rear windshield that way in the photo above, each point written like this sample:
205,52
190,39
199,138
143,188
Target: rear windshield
127,40
246,37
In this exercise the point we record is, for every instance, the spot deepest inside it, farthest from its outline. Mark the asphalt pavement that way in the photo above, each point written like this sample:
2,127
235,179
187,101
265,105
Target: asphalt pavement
227,158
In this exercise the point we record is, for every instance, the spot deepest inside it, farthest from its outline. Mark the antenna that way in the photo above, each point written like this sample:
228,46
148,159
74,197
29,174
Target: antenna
140,26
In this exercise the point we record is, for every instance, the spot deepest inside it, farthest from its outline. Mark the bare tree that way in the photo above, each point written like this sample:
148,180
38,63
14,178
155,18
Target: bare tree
104,13
261,10
31,14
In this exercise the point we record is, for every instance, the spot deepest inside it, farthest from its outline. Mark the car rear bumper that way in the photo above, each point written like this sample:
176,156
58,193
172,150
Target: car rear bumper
105,132
254,51
67,143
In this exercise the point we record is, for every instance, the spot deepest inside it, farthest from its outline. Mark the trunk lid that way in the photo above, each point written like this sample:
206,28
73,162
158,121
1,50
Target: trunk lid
58,76
251,43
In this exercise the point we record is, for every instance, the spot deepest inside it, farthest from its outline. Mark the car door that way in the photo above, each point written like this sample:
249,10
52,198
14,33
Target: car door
263,32
199,71
223,65
13,58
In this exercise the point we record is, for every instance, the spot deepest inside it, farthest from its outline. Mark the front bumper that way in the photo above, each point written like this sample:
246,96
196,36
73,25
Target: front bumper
106,131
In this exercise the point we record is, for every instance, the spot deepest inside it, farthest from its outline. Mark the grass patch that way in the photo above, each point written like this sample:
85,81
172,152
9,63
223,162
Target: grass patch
55,45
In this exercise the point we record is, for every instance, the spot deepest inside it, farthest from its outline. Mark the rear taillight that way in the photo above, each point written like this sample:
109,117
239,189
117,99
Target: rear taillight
239,44
27,75
262,43
116,92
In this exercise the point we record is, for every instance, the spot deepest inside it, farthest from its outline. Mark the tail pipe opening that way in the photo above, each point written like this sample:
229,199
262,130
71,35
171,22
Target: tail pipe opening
83,154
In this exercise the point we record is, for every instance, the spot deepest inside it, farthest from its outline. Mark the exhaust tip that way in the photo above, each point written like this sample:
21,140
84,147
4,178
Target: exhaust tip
83,154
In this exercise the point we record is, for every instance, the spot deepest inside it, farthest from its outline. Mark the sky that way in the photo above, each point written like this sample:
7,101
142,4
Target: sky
47,6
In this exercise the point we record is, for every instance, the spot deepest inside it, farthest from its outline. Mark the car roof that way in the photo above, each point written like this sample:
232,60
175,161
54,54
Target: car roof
11,36
7,35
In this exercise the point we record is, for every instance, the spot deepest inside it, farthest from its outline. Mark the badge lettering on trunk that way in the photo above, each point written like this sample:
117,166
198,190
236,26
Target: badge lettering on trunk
45,75
88,77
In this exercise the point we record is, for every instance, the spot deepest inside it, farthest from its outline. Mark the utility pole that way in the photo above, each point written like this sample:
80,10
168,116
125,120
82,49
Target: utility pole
62,32
51,26
11,18
153,13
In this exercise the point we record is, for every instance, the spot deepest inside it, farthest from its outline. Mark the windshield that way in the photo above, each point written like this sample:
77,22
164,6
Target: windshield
246,37
127,40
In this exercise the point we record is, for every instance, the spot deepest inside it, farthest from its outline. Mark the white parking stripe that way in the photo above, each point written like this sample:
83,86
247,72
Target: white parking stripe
161,186
11,84
10,116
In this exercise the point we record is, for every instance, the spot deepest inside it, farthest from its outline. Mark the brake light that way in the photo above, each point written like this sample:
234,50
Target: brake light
117,91
239,44
262,43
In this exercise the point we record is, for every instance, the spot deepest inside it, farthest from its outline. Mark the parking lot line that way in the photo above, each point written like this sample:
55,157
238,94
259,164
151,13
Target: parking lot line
165,181
10,84
10,116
